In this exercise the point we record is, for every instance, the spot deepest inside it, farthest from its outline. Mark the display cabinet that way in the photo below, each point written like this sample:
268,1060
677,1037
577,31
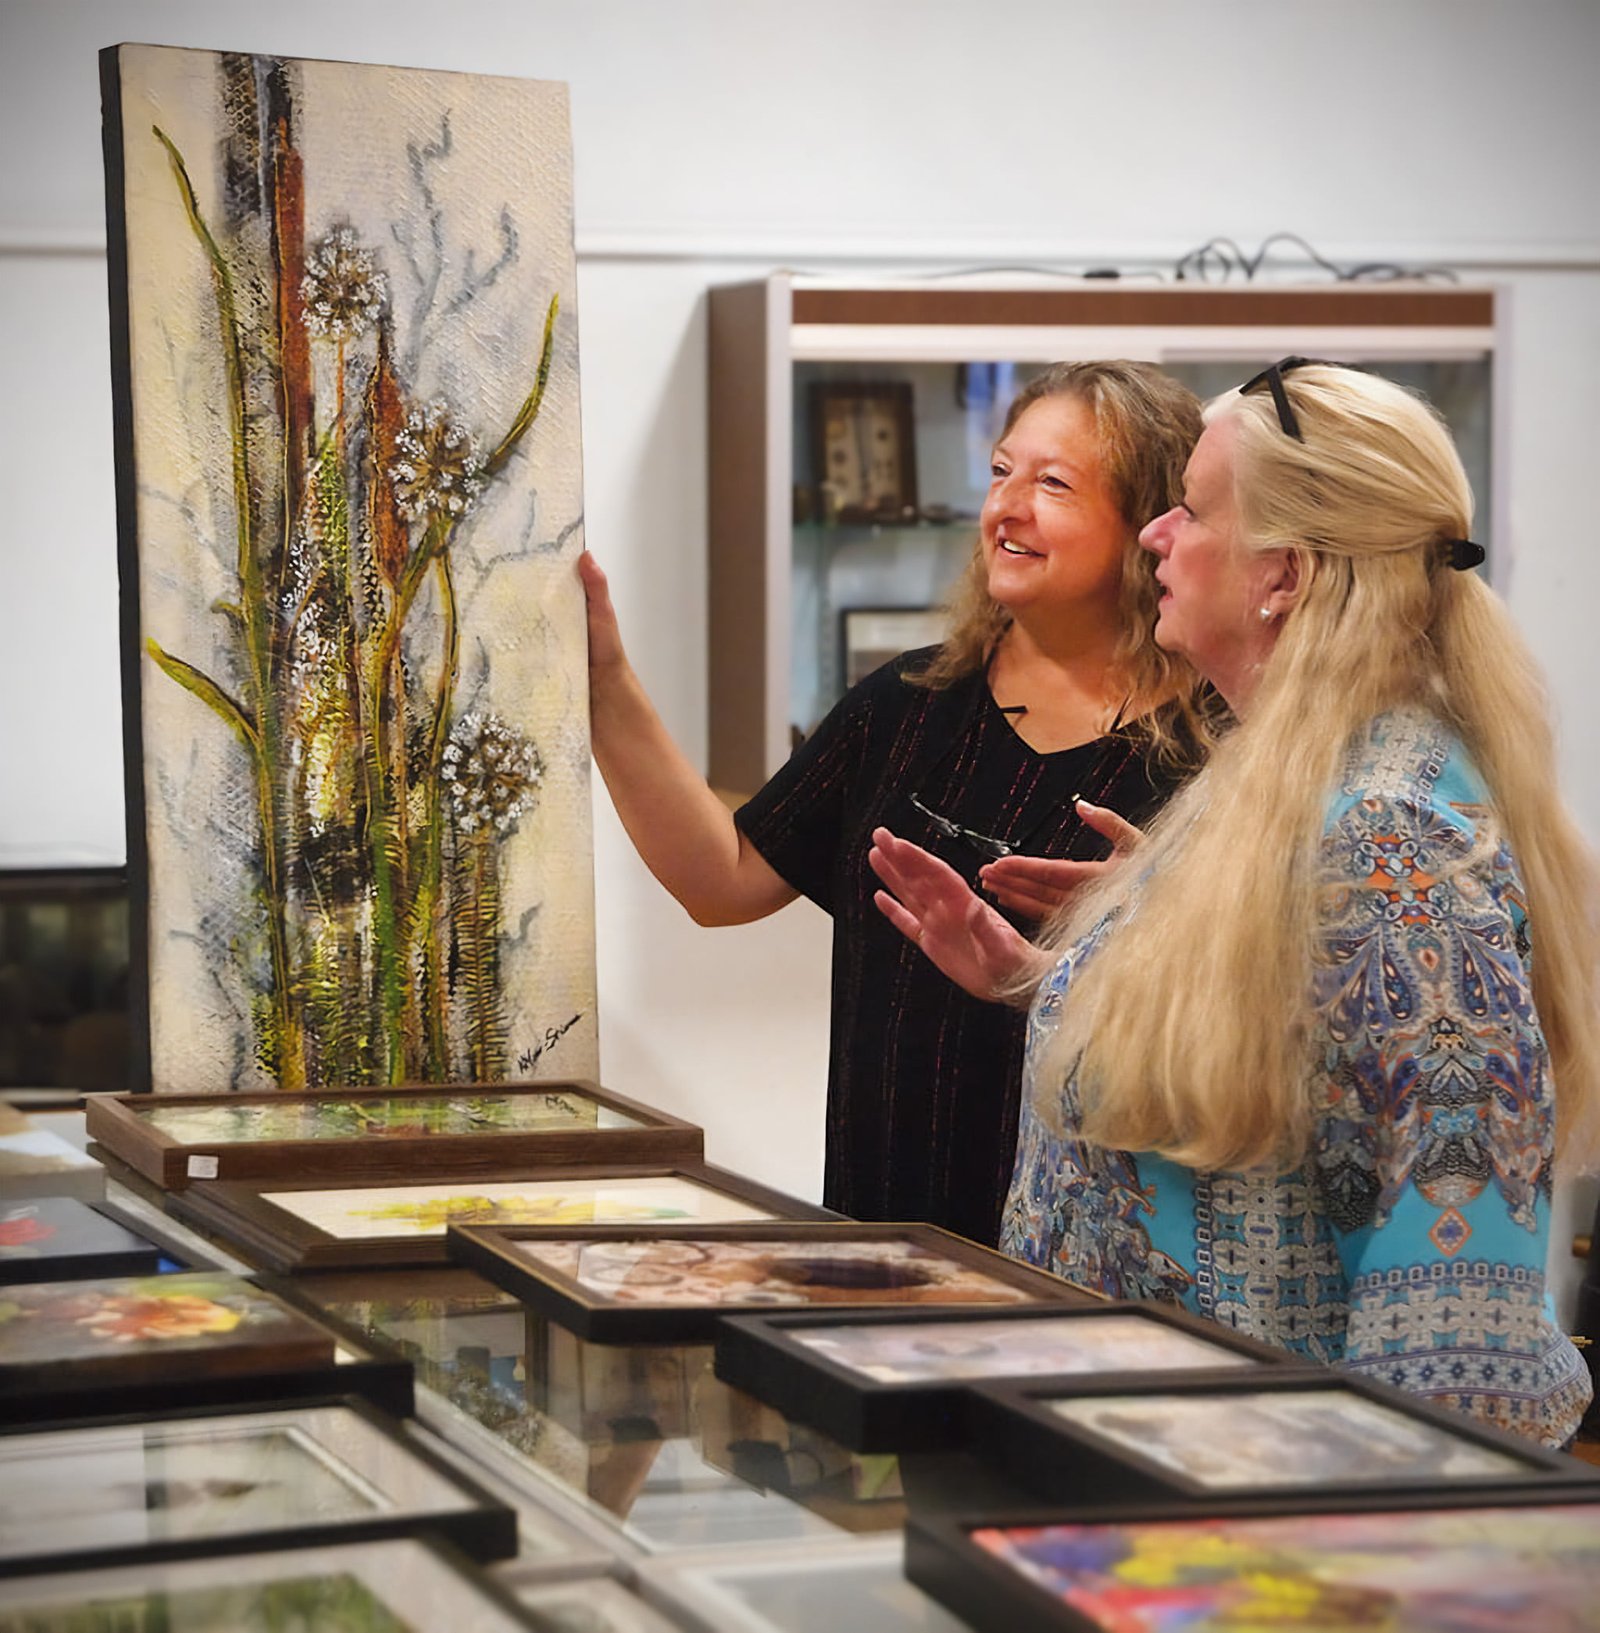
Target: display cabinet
851,428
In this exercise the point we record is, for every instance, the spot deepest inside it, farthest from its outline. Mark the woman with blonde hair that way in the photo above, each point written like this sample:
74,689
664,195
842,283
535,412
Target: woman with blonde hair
1305,1063
1050,686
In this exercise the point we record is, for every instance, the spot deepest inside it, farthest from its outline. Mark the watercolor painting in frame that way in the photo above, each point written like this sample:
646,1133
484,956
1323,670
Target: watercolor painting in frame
345,386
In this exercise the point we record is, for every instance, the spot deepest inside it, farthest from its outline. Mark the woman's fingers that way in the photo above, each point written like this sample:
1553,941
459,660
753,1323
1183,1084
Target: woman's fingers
1122,833
605,637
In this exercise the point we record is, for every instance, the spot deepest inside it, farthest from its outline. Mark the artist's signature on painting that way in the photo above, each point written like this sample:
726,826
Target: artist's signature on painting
529,1058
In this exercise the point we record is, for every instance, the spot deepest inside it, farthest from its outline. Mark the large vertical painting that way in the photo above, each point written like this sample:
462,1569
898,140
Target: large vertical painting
350,501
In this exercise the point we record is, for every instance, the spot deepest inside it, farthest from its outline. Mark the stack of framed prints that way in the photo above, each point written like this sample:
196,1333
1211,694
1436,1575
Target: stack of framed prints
346,1136
178,1483
137,1343
617,1284
312,1226
57,1238
1265,1436
373,1587
881,1381
1436,1565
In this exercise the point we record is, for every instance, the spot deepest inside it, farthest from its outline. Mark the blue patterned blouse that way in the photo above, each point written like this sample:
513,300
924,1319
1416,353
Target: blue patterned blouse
1410,1245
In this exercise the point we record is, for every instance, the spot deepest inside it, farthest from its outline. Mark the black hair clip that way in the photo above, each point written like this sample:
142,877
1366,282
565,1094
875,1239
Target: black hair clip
1465,555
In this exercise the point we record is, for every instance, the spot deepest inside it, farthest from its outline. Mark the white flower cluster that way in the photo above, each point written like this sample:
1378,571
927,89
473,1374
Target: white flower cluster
492,774
440,468
342,290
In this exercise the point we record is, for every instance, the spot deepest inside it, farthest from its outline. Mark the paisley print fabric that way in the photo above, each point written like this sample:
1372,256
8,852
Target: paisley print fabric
1410,1244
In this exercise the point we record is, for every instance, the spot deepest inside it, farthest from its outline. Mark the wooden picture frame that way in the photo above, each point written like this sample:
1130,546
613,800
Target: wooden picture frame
826,1367
264,1477
870,636
58,1238
1261,1437
843,1263
319,1356
348,1145
35,1161
402,1581
864,451
266,1227
1035,1558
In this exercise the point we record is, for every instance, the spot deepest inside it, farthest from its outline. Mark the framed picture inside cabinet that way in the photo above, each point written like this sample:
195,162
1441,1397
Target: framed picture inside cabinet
397,1586
123,1344
179,1483
896,1380
864,451
58,1238
617,1284
871,636
1290,1430
313,1227
1436,1566
345,1136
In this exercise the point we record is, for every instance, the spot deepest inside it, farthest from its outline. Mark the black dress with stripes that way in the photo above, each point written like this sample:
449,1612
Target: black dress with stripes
923,1080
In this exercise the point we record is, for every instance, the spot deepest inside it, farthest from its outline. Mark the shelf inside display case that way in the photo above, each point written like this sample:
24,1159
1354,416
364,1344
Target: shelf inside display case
851,431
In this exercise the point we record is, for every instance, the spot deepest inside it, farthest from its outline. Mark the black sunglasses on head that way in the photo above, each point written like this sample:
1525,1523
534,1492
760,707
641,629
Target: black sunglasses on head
1272,378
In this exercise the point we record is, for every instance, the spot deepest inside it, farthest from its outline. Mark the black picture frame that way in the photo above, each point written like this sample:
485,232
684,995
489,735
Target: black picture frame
768,1356
496,1255
355,1366
271,1235
1067,1462
863,451
478,1523
78,1240
993,1596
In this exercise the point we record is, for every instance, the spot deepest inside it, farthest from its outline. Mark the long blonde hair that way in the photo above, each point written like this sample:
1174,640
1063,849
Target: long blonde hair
1190,1026
1148,425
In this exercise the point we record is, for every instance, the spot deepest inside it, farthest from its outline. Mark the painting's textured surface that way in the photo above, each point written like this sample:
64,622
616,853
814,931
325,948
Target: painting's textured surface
352,351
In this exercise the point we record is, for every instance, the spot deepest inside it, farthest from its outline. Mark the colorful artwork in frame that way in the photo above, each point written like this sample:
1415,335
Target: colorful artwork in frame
427,1210
1428,1572
1302,1437
350,501
168,1485
396,1586
183,1324
53,1238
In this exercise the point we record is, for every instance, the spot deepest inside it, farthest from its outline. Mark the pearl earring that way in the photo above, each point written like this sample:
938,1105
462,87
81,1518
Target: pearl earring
1264,614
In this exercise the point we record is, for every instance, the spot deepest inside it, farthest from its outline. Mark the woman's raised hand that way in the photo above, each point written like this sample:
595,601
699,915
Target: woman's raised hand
1037,886
605,637
929,903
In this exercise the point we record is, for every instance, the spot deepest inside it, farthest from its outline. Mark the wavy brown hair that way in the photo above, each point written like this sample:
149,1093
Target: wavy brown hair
1148,425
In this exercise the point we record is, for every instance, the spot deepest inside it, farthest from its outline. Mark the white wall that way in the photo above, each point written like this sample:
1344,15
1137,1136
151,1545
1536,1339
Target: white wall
718,139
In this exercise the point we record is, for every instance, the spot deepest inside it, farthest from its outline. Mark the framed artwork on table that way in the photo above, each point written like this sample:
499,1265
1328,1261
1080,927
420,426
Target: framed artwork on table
864,451
307,1227
396,1586
1439,1565
870,636
58,1238
355,1135
1291,1430
178,1483
897,1380
617,1284
68,1349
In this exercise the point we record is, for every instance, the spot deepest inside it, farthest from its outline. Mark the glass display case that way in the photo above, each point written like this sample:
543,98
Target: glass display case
851,429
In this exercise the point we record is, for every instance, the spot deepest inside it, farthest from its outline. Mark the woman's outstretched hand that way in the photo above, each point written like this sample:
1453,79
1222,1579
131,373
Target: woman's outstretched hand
929,903
1037,886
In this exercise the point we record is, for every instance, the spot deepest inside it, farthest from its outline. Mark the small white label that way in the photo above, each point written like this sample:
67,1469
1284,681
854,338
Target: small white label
202,1168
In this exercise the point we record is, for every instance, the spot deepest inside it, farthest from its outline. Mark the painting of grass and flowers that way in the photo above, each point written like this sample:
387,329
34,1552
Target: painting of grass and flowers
350,500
